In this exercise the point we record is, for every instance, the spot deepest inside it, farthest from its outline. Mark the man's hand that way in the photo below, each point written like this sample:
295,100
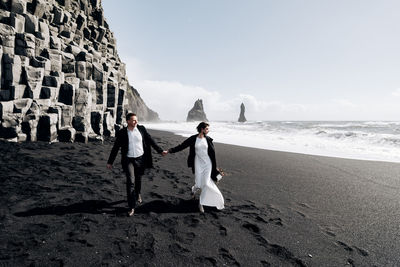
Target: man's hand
165,152
109,166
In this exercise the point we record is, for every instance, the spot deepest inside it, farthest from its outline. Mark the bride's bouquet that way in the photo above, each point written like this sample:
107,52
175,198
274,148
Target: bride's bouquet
220,175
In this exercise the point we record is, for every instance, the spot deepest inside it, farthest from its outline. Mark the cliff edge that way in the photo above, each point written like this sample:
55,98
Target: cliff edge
61,76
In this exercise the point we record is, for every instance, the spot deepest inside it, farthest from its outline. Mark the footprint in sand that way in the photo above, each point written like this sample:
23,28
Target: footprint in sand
304,205
360,251
280,251
272,209
229,260
301,214
188,238
351,262
206,261
176,248
330,233
223,231
247,208
277,221
213,213
251,227
262,219
191,220
274,249
265,264
344,245
169,174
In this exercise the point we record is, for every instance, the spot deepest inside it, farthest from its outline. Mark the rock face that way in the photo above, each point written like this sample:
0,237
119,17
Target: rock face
242,118
197,112
61,76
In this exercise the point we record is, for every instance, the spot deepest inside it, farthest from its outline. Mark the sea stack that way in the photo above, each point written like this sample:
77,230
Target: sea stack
197,112
61,76
242,118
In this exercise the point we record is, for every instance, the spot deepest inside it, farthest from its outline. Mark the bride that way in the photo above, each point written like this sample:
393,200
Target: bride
203,163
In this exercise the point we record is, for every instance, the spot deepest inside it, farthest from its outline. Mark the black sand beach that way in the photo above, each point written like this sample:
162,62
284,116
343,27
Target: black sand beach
60,206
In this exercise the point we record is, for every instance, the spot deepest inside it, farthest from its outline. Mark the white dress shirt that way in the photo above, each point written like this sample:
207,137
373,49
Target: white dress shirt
135,148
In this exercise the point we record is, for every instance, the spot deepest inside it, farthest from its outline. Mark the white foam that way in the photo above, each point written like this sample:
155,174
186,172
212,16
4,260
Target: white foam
378,141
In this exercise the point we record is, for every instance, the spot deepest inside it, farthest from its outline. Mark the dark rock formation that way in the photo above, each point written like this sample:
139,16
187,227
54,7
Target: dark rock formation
197,112
136,103
242,118
61,76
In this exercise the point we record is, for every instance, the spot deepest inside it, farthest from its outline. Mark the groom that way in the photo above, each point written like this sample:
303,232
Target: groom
135,142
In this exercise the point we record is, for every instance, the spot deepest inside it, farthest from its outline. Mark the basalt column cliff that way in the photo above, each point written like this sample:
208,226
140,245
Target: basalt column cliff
61,76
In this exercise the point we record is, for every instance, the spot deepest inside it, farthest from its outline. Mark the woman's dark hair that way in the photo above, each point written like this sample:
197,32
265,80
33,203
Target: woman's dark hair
202,125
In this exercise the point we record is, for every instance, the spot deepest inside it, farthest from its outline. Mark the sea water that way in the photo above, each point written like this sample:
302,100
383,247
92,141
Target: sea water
367,140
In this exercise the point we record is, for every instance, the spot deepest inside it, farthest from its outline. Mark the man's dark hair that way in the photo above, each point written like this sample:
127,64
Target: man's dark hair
202,125
129,115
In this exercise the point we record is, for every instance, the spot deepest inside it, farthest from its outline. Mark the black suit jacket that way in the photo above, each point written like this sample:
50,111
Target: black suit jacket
190,142
122,141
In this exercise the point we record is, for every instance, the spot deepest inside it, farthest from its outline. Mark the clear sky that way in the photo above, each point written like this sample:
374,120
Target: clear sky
284,59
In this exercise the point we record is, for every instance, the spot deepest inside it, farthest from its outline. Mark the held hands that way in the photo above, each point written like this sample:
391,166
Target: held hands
221,171
165,152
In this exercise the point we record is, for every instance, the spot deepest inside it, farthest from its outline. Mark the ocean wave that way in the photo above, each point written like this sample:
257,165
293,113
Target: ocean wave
343,135
391,141
360,140
382,123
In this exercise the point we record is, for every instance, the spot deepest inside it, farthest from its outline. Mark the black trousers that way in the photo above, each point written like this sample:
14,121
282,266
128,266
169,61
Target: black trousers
134,177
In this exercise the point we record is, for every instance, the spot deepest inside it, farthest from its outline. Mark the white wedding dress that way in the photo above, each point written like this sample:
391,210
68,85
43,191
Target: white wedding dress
210,194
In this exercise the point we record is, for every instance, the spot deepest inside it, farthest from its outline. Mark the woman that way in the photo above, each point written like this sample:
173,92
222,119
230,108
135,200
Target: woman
203,163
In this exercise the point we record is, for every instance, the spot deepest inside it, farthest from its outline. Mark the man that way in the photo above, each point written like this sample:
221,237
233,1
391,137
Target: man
135,142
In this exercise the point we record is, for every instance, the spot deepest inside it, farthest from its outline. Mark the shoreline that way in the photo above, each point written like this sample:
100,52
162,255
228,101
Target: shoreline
285,151
61,206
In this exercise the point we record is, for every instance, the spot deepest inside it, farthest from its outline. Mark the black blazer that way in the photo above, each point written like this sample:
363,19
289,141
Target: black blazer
122,141
190,142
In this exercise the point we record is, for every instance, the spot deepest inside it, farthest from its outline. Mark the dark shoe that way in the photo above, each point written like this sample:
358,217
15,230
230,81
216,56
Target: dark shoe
139,199
131,212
